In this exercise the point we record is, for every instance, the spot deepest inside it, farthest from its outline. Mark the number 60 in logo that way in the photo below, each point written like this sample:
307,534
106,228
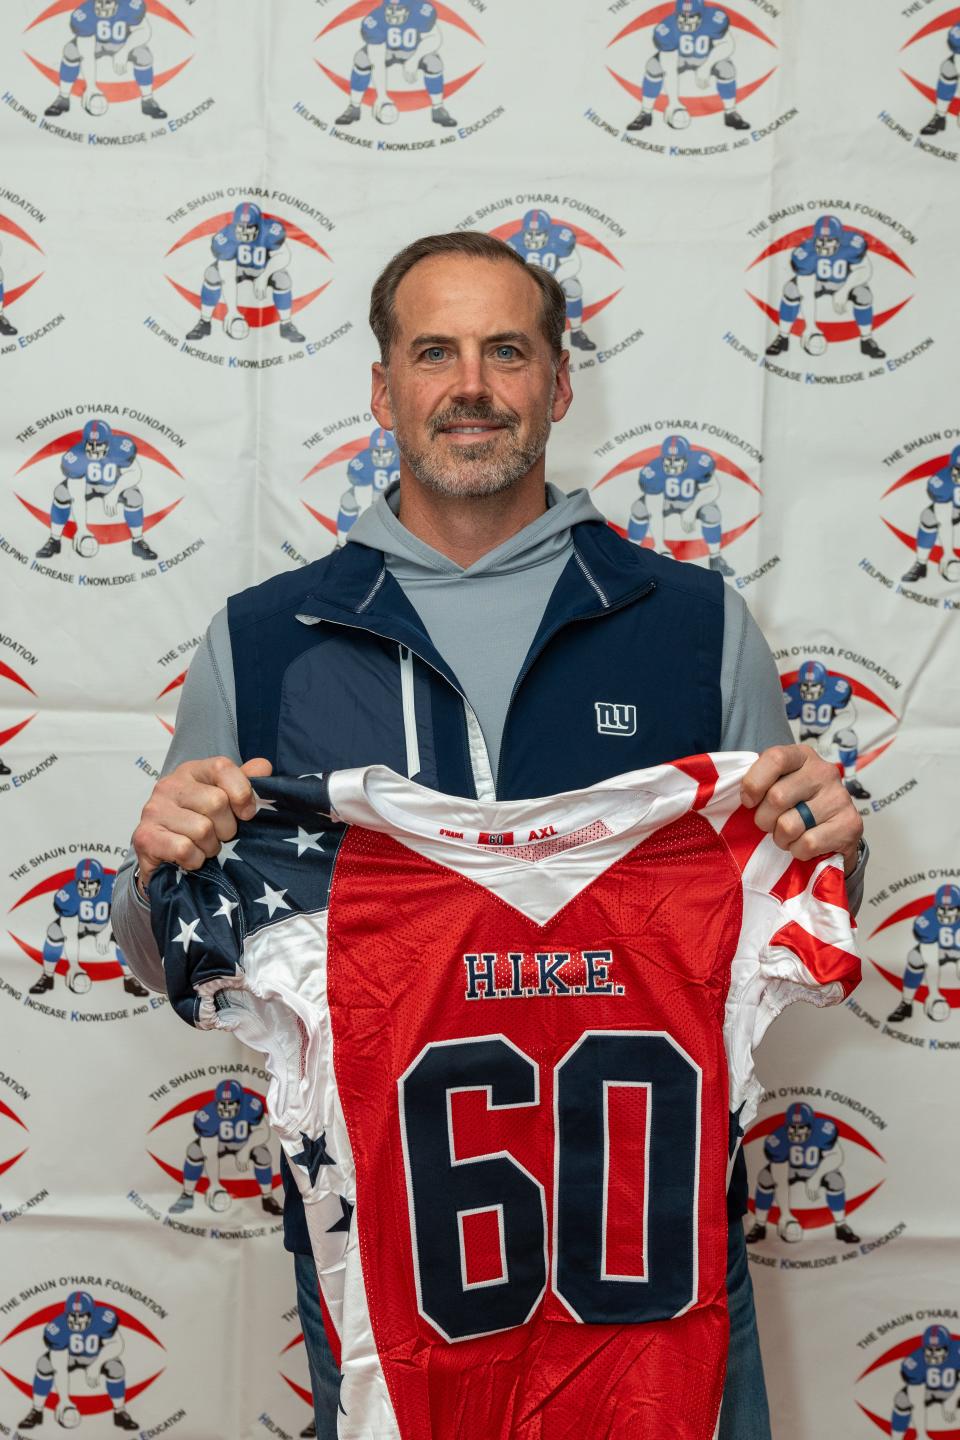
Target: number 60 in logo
441,1189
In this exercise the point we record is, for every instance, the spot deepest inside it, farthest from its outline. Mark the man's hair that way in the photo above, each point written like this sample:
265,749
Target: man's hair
479,246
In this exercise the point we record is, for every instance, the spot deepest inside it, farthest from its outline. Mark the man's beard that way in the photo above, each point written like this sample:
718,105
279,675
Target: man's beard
484,467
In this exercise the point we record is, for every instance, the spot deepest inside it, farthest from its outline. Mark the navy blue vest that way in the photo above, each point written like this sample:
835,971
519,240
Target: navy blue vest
623,673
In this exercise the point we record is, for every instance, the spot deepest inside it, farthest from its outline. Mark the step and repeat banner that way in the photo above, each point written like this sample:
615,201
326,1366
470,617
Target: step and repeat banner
753,210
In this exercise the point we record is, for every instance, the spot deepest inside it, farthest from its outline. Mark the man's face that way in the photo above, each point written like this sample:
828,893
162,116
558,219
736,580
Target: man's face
472,386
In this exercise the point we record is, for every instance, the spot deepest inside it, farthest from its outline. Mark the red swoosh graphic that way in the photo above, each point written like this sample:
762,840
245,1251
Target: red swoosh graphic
343,452
942,22
403,99
256,316
107,534
923,471
640,458
833,330
698,105
10,227
928,92
328,524
14,730
52,882
115,90
62,443
213,223
11,674
796,237
909,911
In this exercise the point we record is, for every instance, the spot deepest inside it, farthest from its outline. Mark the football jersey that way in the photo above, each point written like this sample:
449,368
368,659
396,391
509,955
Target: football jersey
504,1043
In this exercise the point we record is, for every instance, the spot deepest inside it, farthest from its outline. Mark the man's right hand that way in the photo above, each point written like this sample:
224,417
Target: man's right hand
192,811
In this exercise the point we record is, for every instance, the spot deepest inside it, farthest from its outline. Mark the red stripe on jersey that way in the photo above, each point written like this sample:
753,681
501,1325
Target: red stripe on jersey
795,880
824,961
742,835
702,769
831,888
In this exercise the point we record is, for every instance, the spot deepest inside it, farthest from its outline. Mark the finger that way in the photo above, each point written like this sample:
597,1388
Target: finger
155,845
223,773
807,784
826,839
206,800
769,765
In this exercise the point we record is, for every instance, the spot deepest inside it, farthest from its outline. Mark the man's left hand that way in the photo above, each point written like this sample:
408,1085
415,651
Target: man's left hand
784,774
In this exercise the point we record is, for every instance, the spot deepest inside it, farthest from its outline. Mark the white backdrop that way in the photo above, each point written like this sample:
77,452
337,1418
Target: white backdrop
684,237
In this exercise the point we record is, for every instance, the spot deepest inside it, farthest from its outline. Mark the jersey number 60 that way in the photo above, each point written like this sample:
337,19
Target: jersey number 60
442,1189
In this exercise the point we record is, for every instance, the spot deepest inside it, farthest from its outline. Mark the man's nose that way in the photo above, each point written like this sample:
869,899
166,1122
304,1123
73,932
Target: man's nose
470,379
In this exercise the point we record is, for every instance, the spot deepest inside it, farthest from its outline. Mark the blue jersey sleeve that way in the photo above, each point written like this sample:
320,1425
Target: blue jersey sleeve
652,477
73,465
804,259
562,241
913,1370
424,17
66,902
206,1122
105,1322
83,21
56,1335
665,35
252,1109
224,246
715,24
702,466
854,247
791,701
274,234
824,1134
123,451
776,1147
926,927
374,27
838,691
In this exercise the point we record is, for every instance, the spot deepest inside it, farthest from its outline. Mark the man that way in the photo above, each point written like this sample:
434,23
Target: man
465,635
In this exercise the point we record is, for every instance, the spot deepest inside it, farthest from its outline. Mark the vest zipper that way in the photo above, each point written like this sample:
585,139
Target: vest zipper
409,712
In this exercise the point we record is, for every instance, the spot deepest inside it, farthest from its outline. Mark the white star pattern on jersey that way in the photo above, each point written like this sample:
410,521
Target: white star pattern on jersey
228,851
273,899
227,908
188,933
303,841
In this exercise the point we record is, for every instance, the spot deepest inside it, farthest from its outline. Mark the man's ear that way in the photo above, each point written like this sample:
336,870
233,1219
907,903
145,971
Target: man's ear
380,396
563,394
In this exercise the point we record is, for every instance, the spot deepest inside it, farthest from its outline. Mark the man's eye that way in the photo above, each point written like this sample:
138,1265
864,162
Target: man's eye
507,352
434,352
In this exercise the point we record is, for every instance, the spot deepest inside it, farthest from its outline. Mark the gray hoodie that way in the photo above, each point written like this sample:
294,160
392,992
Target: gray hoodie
482,620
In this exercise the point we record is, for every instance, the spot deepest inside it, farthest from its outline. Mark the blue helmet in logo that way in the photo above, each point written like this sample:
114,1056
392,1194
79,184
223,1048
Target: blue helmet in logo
80,1310
827,235
689,14
229,1097
799,1120
246,222
536,229
383,449
88,875
675,454
947,901
955,462
936,1344
812,677
96,439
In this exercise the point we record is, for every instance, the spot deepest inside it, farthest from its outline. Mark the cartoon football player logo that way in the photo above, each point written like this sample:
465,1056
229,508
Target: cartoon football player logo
234,1126
251,248
5,327
542,241
82,909
802,1150
818,700
369,473
104,467
681,481
397,34
697,38
84,1339
937,933
835,262
114,29
946,85
940,519
935,1364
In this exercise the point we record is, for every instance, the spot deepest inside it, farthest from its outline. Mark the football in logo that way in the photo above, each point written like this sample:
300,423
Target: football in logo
392,59
919,956
681,498
112,53
839,283
265,270
89,490
825,706
686,61
77,1358
219,1149
807,1166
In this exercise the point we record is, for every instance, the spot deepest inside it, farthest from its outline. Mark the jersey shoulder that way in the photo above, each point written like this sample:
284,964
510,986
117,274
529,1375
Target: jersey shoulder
913,1367
83,21
223,245
666,35
716,23
824,1132
424,16
927,926
839,690
854,245
206,1122
374,25
252,1107
804,258
123,450
73,464
105,1322
776,1147
67,901
56,1334
562,240
274,233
